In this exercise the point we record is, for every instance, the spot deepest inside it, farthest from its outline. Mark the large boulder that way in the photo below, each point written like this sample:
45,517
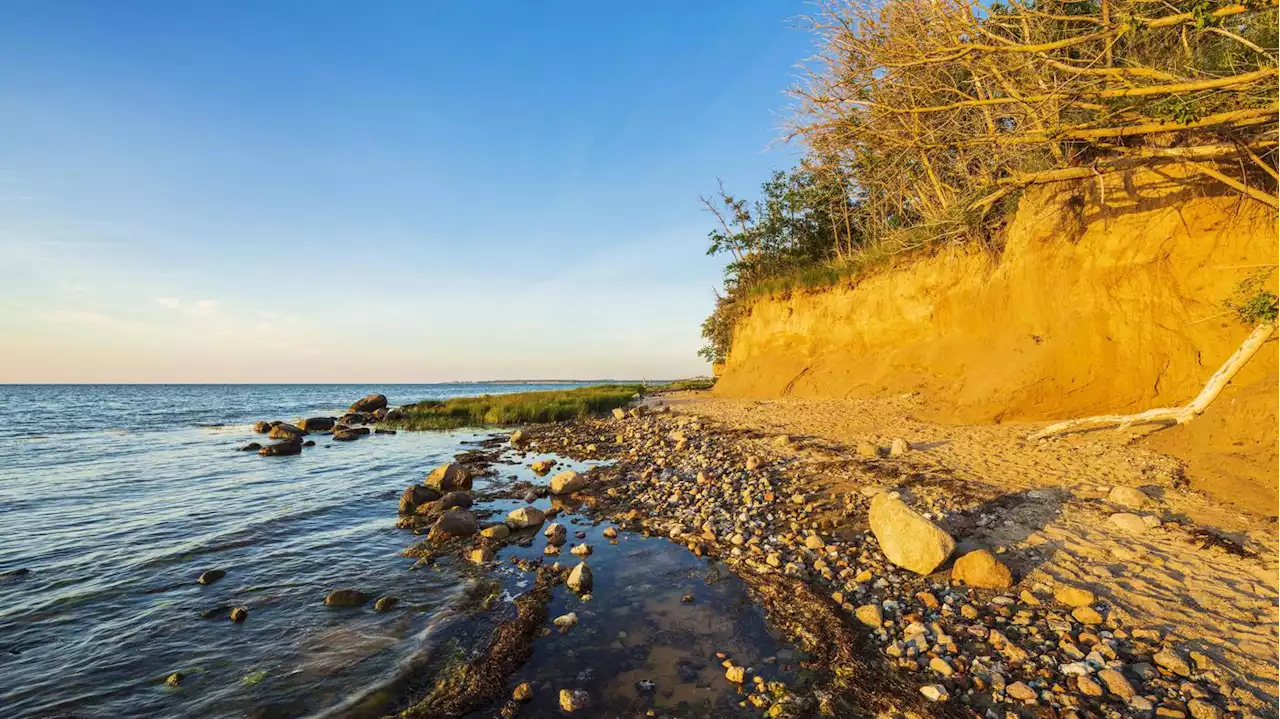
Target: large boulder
262,427
449,477
316,424
454,523
981,569
353,418
282,449
285,431
416,495
525,517
369,404
906,537
567,481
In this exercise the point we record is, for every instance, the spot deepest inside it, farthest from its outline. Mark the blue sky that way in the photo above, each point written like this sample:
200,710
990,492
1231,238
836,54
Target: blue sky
374,191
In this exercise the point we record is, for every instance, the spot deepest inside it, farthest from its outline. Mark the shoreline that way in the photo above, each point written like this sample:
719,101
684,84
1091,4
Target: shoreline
1186,649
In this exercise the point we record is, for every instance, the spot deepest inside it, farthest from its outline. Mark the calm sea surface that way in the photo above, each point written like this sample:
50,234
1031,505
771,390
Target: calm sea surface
113,500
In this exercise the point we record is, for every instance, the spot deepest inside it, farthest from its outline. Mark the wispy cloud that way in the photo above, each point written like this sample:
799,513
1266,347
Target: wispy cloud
196,308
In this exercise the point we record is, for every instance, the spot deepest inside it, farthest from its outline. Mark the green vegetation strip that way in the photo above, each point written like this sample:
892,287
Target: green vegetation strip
516,408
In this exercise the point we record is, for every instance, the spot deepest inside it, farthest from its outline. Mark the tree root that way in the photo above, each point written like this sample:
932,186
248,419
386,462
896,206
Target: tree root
1174,415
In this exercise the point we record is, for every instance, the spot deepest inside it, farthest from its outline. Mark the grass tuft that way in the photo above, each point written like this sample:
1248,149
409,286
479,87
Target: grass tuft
516,408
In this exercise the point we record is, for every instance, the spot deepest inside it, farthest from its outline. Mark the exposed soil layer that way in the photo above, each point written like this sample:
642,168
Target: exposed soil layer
1114,309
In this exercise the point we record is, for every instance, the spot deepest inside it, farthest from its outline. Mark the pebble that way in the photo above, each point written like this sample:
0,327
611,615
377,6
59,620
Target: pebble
935,692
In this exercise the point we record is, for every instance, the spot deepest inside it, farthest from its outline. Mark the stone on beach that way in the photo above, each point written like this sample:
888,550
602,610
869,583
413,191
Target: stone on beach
369,403
519,438
899,447
542,466
1127,496
1074,596
572,700
567,482
870,615
316,424
906,537
1129,522
981,569
449,477
525,517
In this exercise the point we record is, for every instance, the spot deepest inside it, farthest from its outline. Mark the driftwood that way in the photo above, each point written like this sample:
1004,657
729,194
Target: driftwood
1174,415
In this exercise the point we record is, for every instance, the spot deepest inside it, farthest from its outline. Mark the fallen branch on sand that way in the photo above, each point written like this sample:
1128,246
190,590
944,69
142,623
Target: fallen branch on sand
1174,415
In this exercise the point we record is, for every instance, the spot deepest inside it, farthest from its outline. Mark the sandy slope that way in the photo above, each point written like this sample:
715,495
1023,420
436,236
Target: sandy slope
1051,498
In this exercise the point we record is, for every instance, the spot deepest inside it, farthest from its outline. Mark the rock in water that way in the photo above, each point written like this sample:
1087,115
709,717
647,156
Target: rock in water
285,431
542,466
261,427
282,449
345,598
456,499
523,692
572,700
251,447
519,438
349,434
454,523
369,404
556,534
175,679
385,604
239,614
448,477
566,622
211,576
496,531
525,517
568,481
907,538
580,578
1127,496
416,495
312,424
982,569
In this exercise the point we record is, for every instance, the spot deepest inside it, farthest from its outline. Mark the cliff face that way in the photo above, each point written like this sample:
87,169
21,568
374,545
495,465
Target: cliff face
1090,308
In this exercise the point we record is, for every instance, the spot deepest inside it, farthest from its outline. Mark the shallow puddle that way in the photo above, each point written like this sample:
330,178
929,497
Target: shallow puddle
649,636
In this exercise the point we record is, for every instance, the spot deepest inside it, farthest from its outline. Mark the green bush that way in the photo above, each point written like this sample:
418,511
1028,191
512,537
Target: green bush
516,408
